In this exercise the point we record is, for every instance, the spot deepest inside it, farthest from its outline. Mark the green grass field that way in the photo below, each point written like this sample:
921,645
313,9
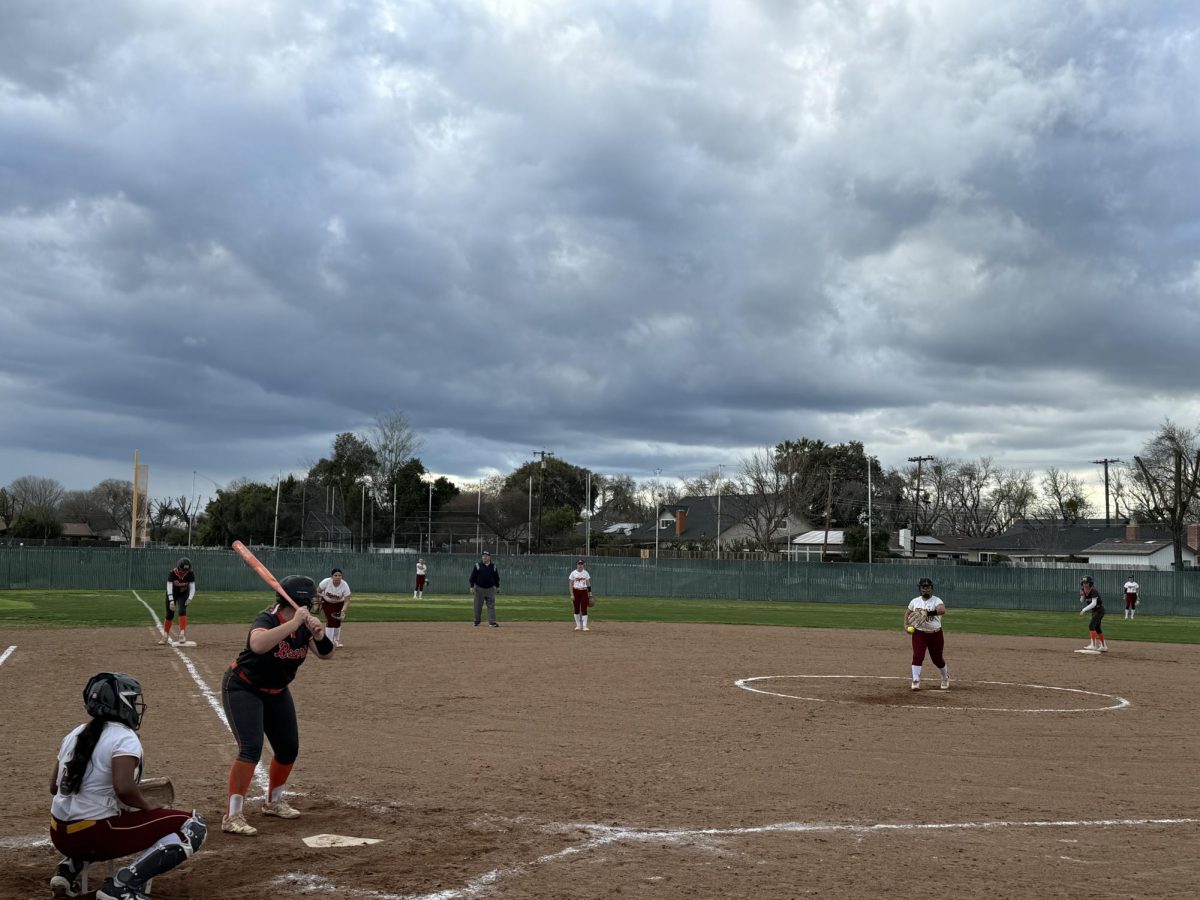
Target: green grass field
90,609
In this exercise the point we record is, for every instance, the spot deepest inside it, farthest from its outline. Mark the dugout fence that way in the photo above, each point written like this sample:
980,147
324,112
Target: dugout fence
980,587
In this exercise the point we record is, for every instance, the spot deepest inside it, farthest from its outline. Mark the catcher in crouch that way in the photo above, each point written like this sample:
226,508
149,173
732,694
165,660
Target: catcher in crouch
101,809
924,618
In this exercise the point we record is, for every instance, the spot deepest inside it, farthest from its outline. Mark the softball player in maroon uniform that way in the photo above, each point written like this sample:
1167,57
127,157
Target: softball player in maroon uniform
927,636
258,703
579,583
335,603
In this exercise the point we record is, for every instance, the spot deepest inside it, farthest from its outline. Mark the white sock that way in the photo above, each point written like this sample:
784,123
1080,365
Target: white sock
584,617
235,804
916,673
577,622
945,670
277,794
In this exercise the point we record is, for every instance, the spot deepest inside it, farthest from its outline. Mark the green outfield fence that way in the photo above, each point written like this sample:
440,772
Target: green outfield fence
982,587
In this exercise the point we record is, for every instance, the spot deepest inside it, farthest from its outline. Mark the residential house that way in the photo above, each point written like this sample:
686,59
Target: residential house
697,522
1137,549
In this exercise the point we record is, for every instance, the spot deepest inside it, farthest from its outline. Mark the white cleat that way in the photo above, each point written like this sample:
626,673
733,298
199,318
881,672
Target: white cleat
237,825
281,809
579,628
916,686
945,685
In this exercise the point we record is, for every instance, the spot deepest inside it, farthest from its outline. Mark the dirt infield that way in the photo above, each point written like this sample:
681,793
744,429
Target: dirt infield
530,761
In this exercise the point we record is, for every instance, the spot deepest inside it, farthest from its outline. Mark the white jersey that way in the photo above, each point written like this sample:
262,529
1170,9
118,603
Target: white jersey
96,797
1131,587
579,580
420,569
332,593
933,623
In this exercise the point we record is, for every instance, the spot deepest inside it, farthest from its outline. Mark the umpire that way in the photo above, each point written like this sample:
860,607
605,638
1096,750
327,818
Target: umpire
485,581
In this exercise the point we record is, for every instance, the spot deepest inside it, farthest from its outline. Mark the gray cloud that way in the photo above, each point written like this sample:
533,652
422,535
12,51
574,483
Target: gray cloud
643,237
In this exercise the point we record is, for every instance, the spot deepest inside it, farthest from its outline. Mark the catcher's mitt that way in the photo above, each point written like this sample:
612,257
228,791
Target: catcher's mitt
158,790
917,617
591,600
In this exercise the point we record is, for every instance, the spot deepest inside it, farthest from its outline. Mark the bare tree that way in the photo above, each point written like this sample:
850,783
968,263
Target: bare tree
29,492
115,500
1064,498
762,497
395,444
618,500
1168,470
504,511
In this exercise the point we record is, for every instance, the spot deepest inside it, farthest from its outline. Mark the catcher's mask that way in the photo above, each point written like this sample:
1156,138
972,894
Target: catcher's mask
114,696
303,590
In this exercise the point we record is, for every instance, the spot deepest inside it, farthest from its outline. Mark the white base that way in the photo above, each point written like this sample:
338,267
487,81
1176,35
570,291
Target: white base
338,840
183,643
1089,651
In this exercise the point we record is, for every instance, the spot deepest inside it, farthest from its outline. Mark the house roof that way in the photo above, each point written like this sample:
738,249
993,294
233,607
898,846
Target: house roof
701,523
321,521
1120,547
77,530
818,537
1056,538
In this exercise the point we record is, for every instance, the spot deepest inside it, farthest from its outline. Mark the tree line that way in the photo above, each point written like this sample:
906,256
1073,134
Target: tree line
375,484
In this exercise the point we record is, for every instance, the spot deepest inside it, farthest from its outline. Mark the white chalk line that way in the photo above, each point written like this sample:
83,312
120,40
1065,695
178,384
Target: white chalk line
1119,702
7,653
602,835
260,775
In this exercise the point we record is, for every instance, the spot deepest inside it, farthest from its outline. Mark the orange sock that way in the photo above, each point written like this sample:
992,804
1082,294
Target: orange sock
167,628
183,623
1095,640
241,773
277,777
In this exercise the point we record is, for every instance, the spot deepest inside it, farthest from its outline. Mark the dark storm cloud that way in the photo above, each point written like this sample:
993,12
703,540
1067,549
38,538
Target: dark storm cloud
643,237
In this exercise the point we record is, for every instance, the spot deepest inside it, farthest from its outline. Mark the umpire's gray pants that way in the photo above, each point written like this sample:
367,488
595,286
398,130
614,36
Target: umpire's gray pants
488,596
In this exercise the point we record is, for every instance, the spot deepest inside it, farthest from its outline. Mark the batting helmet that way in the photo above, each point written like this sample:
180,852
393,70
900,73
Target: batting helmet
117,697
183,563
1086,579
925,583
302,589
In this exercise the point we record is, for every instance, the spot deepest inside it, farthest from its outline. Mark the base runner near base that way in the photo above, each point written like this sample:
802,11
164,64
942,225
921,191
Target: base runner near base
579,585
1089,595
1131,597
181,589
927,633
258,703
335,603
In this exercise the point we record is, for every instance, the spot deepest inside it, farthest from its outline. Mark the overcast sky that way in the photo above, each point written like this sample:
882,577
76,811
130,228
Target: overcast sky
651,235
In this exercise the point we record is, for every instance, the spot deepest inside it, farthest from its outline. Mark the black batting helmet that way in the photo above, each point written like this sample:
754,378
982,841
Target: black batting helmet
925,582
114,696
302,589
1086,579
184,563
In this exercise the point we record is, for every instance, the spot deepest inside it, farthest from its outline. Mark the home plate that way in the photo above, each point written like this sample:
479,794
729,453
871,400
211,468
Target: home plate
338,840
1089,652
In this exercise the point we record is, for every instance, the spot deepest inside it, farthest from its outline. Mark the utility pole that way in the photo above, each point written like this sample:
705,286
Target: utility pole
657,518
828,513
916,522
1105,462
541,492
720,479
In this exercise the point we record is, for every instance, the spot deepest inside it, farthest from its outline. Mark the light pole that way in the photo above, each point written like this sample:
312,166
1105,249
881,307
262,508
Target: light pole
657,517
191,513
275,534
529,525
587,524
429,524
720,480
870,523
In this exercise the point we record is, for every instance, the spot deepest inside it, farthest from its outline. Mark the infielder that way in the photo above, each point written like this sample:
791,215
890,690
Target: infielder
1131,597
419,587
181,589
335,603
924,618
579,585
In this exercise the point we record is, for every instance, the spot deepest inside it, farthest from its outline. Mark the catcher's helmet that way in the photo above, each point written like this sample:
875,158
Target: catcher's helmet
184,563
302,589
114,696
925,582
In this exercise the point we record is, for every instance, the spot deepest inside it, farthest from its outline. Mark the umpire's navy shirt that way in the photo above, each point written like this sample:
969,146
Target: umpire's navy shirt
485,575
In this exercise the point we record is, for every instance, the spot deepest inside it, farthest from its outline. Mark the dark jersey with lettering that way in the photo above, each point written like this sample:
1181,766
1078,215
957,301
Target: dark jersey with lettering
181,583
277,667
1091,595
